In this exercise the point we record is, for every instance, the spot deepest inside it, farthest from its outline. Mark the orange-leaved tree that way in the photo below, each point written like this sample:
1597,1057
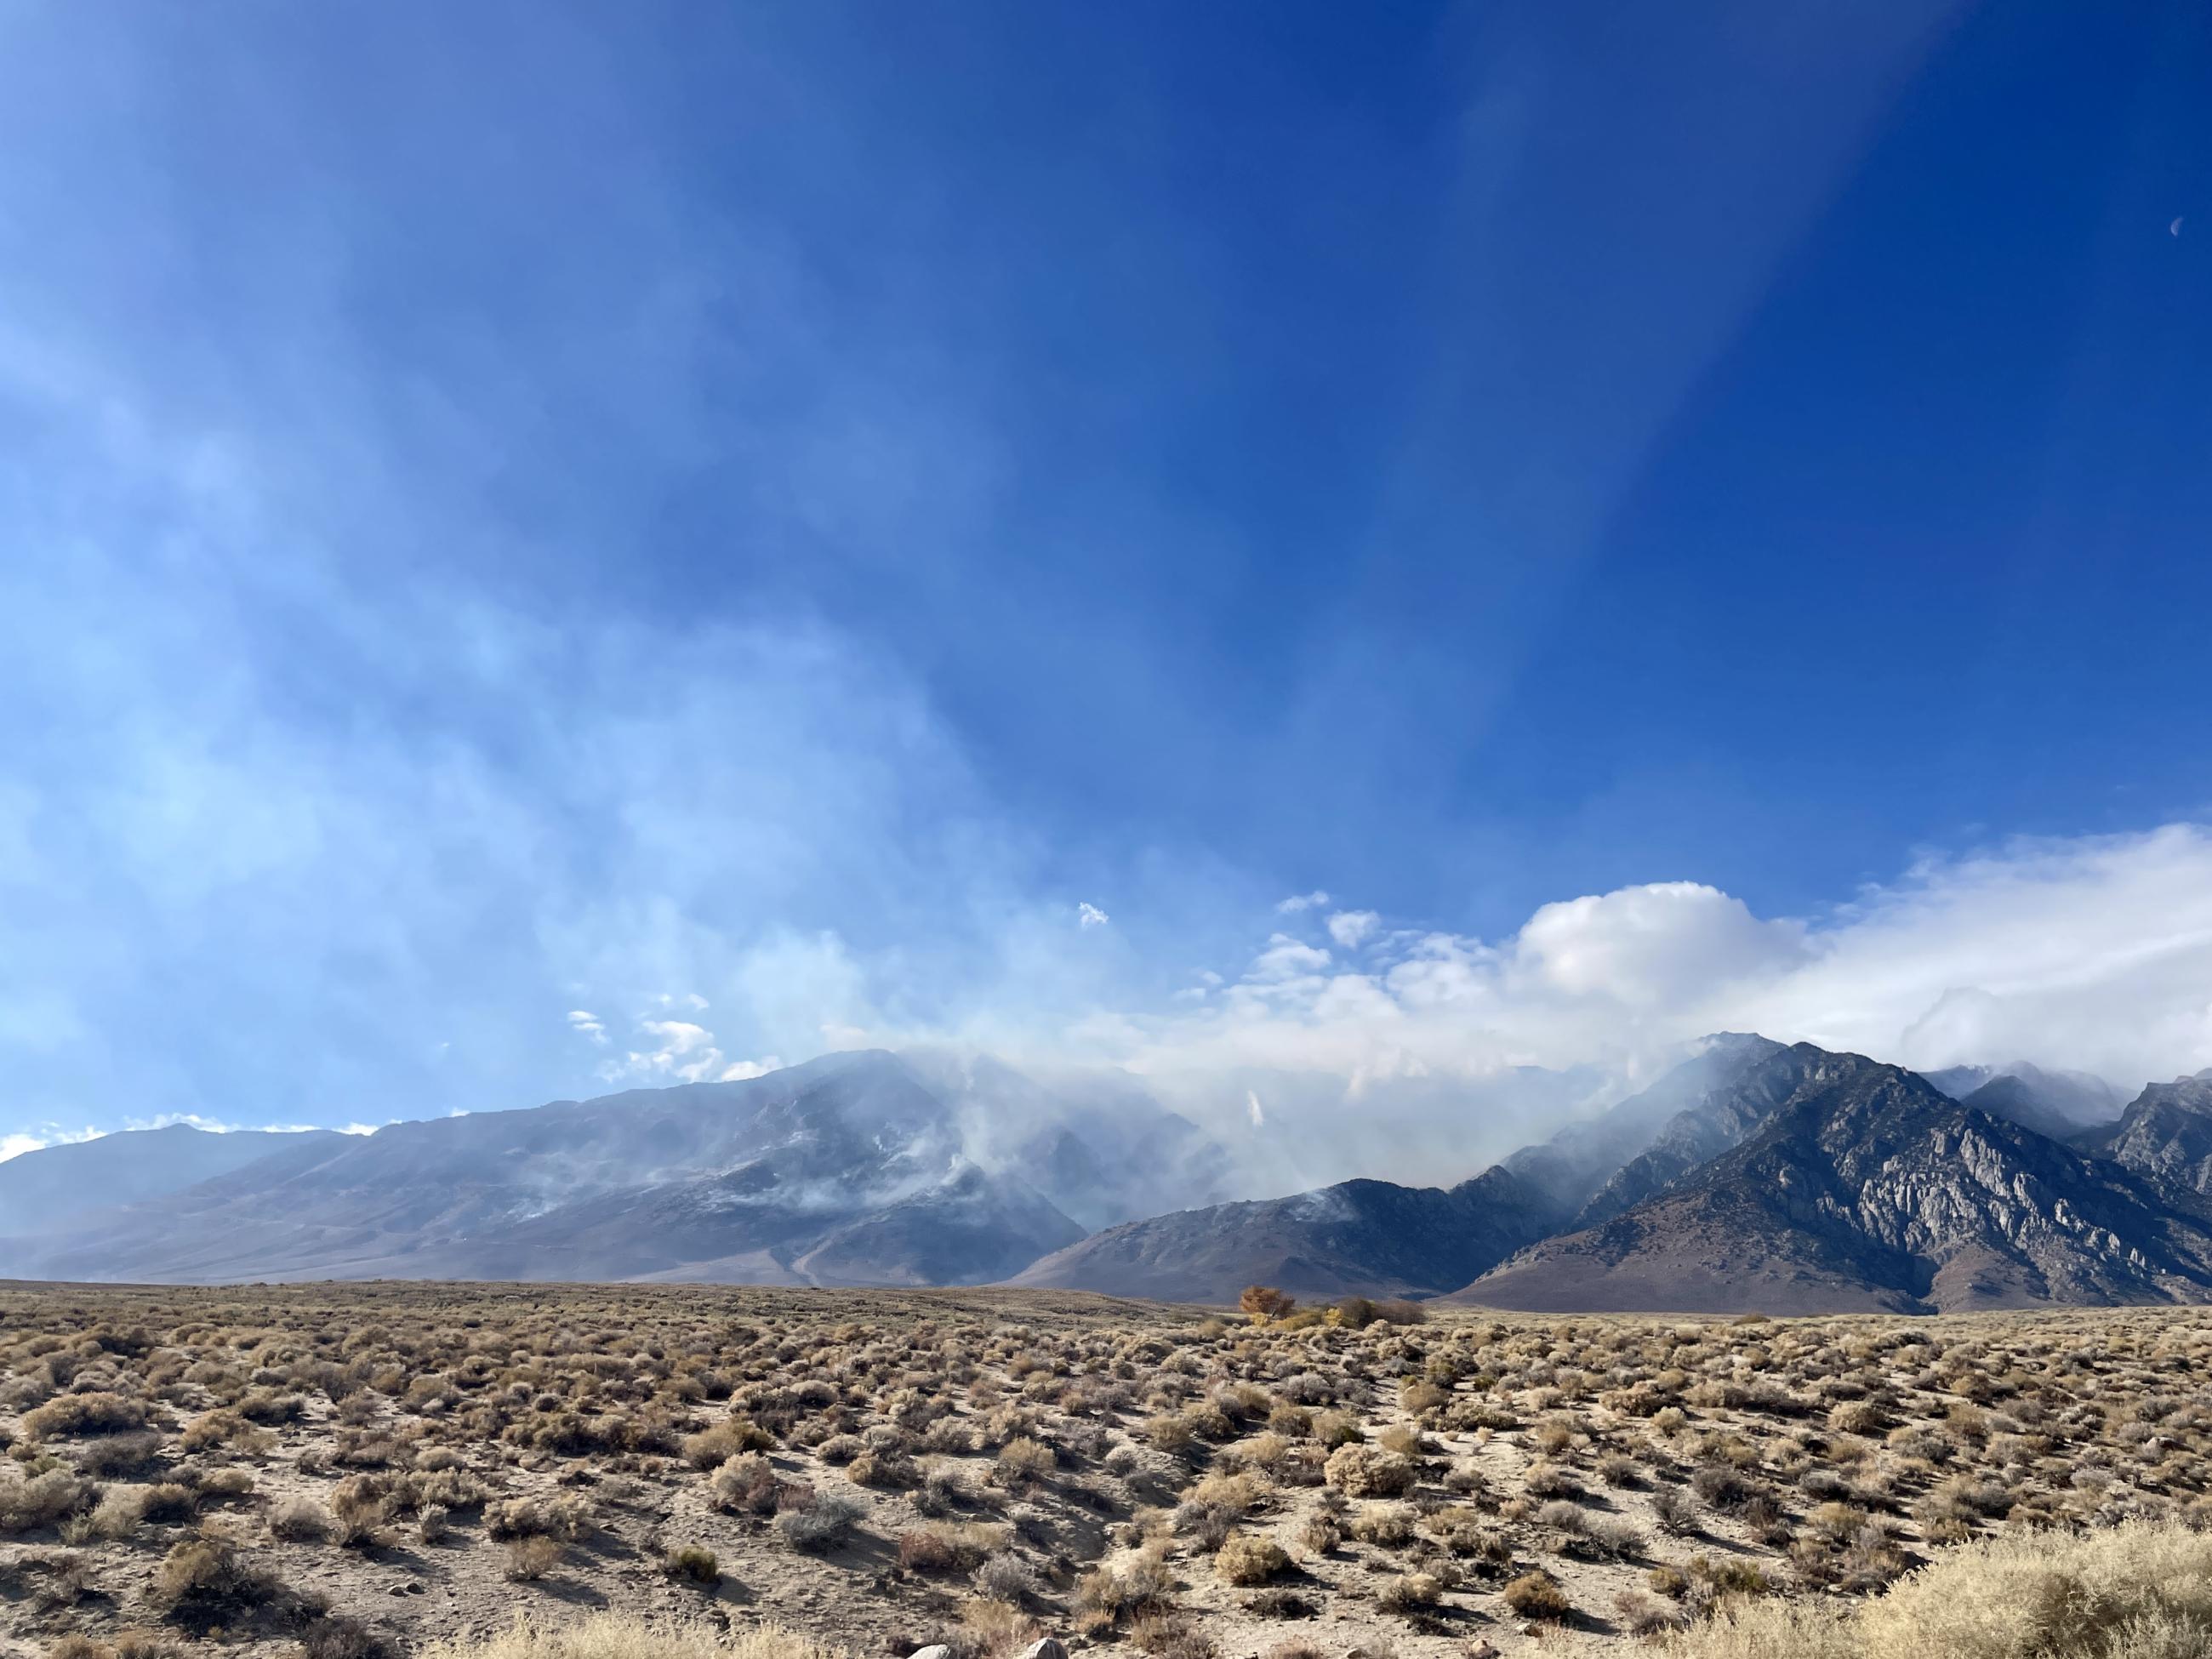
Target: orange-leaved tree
1265,1302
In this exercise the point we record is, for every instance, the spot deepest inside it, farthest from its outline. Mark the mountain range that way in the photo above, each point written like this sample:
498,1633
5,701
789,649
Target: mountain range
1752,1176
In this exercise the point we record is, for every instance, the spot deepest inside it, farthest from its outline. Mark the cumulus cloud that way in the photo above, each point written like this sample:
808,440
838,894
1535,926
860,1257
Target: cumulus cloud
589,1026
1089,915
1646,946
1300,901
1349,928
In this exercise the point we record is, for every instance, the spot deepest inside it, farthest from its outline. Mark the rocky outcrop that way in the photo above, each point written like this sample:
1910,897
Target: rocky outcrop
2166,1137
1863,1187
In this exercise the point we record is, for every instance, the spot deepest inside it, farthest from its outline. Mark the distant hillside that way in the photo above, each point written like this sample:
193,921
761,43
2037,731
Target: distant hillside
2055,1103
55,1186
1364,1237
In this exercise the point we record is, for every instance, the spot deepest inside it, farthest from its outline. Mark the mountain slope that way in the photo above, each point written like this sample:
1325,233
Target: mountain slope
1567,1170
1866,1187
2166,1136
53,1186
1364,1237
1719,1119
847,1169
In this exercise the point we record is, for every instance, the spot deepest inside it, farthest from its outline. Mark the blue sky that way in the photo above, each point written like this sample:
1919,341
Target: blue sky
735,523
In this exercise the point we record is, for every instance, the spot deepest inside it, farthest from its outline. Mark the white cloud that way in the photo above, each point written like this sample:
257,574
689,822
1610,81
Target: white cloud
14,1145
1089,915
1349,927
1286,960
1298,902
1253,1110
679,1050
2095,952
588,1024
682,1051
1647,946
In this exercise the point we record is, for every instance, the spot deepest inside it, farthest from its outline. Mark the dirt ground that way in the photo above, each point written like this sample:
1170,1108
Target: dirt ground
352,1469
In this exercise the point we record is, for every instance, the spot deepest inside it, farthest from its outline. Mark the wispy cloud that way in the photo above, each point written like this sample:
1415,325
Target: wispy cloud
679,1051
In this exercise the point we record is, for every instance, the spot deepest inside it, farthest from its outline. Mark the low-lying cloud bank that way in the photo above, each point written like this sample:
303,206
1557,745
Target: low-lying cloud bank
2094,953
1344,1044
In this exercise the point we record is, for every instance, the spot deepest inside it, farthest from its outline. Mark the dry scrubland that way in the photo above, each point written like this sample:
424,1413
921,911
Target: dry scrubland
353,1470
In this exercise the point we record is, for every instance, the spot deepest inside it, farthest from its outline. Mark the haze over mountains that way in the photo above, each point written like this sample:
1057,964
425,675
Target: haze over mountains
847,1170
1752,1176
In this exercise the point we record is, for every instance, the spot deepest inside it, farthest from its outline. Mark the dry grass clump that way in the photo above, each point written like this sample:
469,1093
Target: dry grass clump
745,1485
531,1558
1537,1596
1247,1559
1360,1470
83,1413
30,1503
2137,1591
817,1523
210,1574
1113,1594
725,1440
